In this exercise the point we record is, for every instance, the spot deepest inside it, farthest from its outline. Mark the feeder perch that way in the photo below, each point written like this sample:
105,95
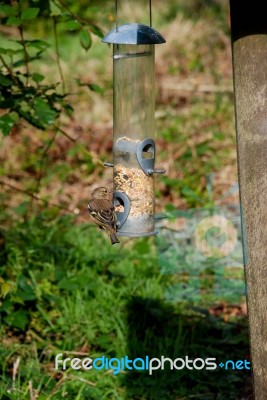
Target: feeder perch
134,126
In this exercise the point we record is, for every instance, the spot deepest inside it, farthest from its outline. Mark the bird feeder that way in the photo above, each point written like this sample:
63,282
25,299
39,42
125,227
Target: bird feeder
134,126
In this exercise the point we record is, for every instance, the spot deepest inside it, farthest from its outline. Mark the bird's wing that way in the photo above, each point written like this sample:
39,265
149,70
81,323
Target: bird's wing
102,210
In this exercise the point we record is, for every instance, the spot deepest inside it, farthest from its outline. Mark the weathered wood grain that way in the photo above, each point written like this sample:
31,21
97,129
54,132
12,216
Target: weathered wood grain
249,46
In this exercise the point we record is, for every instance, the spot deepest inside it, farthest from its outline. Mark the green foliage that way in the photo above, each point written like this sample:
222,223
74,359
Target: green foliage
38,105
24,95
85,39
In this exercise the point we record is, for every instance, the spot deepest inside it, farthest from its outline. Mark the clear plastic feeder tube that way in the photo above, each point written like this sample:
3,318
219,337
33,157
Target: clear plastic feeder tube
133,114
133,131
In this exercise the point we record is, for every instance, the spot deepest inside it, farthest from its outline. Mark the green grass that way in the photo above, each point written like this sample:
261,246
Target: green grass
70,291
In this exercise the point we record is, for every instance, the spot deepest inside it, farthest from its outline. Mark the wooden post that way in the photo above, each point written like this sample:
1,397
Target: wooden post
249,49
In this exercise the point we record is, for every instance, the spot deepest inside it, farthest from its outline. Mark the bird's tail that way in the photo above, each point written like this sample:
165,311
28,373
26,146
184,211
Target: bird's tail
114,238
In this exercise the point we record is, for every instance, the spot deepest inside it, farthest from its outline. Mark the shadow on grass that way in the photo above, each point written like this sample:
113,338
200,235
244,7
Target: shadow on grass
156,329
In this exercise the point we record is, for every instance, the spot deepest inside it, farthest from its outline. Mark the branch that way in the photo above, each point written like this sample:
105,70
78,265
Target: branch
58,55
9,69
65,134
202,88
25,53
83,149
34,196
6,65
75,16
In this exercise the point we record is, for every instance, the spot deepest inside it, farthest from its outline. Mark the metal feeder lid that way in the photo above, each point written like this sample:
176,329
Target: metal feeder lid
134,34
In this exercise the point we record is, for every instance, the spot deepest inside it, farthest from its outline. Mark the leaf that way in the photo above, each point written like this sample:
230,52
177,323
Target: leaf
38,44
37,77
85,40
43,112
54,9
32,120
92,86
22,61
68,108
29,13
8,11
96,88
4,81
5,287
6,124
10,52
17,319
71,25
13,21
96,31
25,292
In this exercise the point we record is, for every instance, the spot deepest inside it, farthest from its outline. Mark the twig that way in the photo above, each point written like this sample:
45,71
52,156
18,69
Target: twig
34,196
32,394
25,53
82,148
111,371
194,396
58,55
35,335
55,389
167,228
65,134
66,377
6,65
14,372
190,87
76,353
9,70
78,378
75,16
